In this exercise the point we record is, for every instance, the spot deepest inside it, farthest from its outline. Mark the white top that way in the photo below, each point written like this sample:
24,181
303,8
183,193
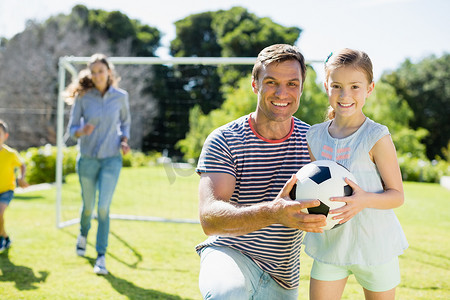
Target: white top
373,236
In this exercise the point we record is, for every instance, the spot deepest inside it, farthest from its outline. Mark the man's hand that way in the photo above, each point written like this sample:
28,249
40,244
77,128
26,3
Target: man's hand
290,214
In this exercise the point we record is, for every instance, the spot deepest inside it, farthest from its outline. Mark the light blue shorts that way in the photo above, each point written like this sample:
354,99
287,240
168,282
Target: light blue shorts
6,197
228,274
377,278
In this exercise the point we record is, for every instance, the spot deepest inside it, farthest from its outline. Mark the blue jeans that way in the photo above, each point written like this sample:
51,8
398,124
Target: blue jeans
226,273
102,175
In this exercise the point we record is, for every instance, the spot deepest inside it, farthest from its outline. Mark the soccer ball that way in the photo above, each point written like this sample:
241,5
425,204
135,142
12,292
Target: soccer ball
321,180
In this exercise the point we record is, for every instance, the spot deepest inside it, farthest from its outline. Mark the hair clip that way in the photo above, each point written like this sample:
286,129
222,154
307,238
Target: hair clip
328,57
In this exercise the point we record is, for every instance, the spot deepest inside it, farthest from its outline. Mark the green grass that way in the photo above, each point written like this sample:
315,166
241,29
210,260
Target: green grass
152,260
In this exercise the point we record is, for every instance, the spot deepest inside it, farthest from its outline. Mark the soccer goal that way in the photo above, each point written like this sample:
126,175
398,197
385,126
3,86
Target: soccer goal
175,177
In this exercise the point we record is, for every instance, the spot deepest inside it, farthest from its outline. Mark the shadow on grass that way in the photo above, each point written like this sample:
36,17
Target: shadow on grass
127,288
135,253
23,277
133,291
138,255
420,259
29,197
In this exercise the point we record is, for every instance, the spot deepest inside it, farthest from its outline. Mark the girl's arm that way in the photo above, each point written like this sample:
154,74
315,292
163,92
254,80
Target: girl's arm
384,156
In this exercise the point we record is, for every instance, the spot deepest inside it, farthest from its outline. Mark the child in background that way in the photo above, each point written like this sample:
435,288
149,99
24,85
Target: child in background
9,161
370,239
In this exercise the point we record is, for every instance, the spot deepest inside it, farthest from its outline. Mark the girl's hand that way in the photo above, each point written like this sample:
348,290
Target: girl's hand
354,203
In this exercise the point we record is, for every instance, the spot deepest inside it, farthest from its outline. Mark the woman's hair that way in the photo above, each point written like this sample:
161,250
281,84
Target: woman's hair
84,81
278,53
344,58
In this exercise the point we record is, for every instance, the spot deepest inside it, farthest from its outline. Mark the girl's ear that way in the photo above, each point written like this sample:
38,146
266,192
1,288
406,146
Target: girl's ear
326,86
370,88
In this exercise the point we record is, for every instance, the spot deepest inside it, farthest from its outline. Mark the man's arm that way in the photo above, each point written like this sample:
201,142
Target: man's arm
218,216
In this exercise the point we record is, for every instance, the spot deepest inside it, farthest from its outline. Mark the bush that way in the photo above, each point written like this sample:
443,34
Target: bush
139,159
41,162
423,170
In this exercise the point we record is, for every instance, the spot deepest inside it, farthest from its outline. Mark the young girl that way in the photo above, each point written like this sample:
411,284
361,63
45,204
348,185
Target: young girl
371,239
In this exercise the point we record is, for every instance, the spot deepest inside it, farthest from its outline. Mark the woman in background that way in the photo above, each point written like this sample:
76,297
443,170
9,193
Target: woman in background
100,121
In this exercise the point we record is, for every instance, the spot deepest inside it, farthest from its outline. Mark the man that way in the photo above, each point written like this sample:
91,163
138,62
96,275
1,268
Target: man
255,228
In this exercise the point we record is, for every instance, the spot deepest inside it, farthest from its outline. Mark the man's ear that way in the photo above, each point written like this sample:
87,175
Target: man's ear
254,86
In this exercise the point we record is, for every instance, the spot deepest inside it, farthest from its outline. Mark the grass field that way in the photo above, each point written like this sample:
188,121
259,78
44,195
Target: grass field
154,260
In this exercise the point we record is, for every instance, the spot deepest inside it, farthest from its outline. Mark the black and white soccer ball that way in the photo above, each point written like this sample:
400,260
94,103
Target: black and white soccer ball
321,180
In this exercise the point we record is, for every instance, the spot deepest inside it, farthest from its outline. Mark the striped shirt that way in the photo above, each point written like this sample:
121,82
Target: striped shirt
261,168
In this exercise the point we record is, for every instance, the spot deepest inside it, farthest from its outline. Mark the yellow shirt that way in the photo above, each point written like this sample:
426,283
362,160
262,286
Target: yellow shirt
9,160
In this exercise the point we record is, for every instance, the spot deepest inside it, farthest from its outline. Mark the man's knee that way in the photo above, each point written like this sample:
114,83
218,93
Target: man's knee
220,276
224,291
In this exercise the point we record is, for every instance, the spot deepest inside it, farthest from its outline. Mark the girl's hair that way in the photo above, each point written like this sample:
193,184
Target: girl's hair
84,82
344,58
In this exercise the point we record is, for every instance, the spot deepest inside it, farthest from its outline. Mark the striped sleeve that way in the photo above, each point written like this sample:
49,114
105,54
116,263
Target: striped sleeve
216,155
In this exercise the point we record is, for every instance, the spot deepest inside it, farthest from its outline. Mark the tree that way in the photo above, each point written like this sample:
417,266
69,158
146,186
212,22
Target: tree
239,102
32,55
424,86
314,101
231,33
241,33
386,107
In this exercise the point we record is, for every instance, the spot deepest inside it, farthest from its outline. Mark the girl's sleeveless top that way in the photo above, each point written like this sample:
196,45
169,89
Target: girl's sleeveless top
373,236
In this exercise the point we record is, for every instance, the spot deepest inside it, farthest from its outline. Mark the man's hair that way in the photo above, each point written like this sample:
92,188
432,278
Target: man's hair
4,126
278,53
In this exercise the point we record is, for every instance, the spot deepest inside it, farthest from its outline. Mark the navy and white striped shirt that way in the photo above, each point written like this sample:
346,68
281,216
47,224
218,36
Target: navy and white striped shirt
261,168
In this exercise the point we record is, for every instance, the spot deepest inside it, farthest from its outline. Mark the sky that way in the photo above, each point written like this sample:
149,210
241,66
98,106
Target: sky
390,31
